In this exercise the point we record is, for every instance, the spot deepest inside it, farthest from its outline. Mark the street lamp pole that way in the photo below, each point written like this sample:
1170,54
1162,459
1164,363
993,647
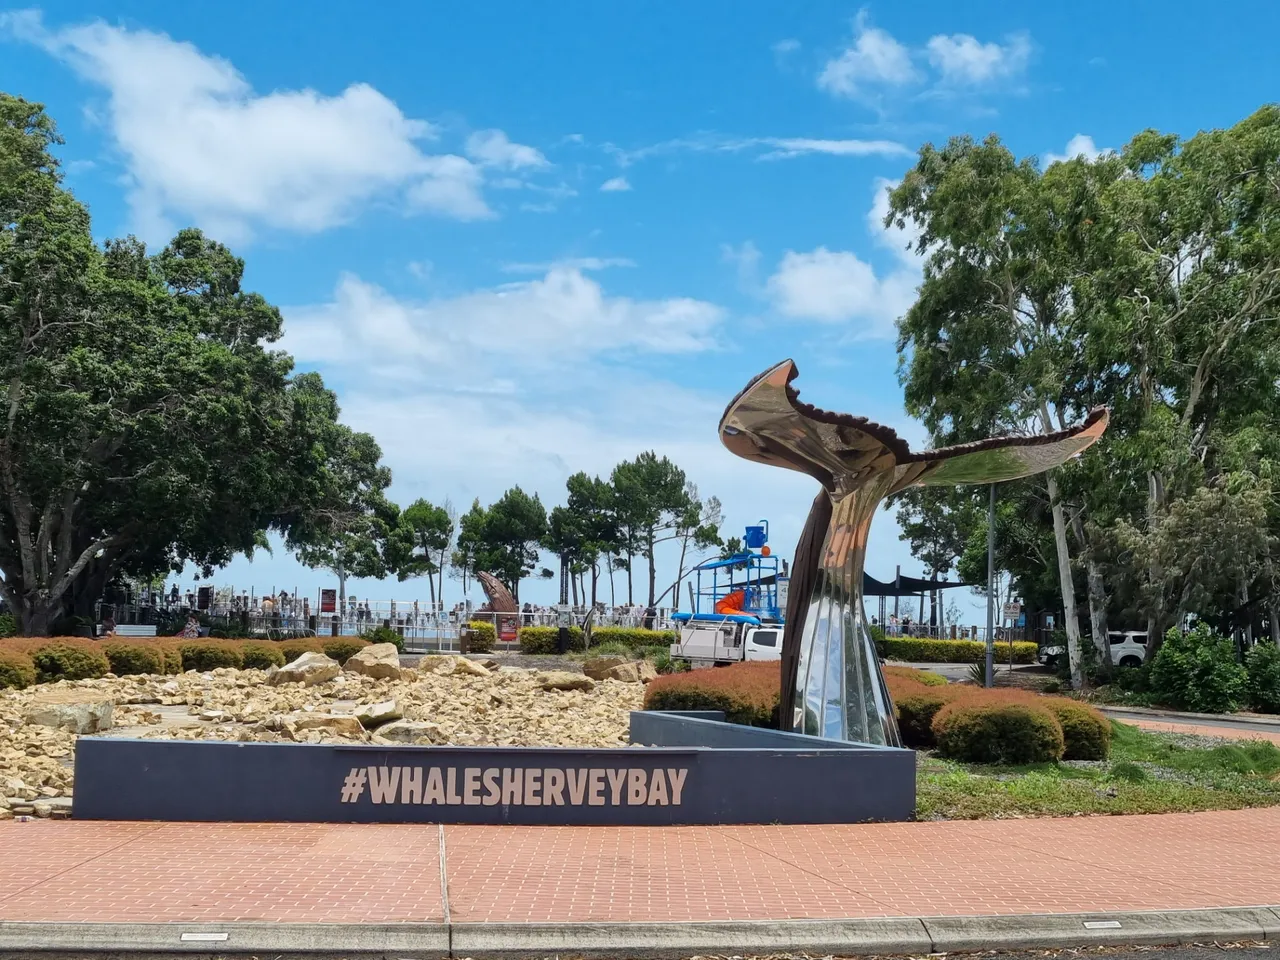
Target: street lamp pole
991,588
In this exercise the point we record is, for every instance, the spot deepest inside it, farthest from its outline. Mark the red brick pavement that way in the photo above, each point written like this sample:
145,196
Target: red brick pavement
83,871
1209,730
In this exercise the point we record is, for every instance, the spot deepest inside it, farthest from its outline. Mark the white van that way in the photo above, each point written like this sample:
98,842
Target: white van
1128,648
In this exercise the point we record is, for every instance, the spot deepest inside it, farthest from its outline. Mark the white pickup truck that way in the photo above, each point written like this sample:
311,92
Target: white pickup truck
708,640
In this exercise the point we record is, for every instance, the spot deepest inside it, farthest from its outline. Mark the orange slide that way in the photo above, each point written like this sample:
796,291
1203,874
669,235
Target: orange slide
731,603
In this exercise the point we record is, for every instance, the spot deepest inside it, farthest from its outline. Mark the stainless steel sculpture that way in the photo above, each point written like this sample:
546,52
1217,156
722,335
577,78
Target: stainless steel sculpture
831,680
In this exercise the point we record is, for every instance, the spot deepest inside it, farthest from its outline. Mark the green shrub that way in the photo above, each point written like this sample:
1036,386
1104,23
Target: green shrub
1263,665
379,634
69,659
877,637
293,649
342,649
261,655
746,692
1128,772
611,649
172,656
929,650
1086,733
133,658
1051,686
8,625
1132,679
994,731
633,637
483,636
204,655
1198,671
541,640
16,670
916,710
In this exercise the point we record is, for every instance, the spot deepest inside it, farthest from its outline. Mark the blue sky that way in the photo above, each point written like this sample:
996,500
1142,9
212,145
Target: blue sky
522,240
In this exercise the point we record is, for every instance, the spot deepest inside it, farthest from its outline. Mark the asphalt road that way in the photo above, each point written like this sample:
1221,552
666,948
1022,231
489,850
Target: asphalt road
1232,951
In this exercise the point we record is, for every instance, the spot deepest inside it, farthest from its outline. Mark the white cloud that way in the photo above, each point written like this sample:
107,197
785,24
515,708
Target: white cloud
787,147
1078,146
874,60
746,261
876,64
491,148
200,144
569,263
775,148
616,185
559,316
839,287
961,59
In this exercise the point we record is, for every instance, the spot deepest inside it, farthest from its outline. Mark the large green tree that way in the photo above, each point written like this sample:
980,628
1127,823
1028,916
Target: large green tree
1146,280
655,503
503,539
147,422
419,544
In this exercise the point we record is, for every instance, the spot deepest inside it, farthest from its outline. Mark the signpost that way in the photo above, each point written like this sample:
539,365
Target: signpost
564,620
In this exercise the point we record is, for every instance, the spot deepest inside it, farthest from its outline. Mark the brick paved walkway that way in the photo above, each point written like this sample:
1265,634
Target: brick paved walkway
83,871
1207,730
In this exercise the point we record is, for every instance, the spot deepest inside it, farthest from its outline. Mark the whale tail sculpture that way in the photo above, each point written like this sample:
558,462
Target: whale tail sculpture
832,685
499,597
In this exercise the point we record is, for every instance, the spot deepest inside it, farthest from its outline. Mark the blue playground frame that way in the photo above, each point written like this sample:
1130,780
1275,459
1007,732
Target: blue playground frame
755,573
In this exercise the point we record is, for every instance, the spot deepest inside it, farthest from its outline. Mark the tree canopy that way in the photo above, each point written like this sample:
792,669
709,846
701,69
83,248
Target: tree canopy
1148,281
148,422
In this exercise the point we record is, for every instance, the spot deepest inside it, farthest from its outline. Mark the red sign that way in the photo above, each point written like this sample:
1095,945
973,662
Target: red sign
328,601
508,629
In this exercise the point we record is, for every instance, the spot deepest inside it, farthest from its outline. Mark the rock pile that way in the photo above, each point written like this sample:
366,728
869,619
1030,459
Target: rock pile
446,700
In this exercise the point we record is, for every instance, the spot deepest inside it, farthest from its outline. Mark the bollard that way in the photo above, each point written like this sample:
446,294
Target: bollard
334,625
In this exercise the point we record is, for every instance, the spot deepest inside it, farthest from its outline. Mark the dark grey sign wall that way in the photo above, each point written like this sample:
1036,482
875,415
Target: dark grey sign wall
246,782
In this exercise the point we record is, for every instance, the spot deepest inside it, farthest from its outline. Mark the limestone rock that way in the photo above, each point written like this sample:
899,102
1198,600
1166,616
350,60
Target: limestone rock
71,710
381,661
41,809
463,667
563,680
597,668
437,663
410,731
372,715
309,669
342,724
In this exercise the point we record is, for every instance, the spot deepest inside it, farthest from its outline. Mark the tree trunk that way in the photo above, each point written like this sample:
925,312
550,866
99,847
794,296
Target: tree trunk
1071,620
440,590
1155,575
613,595
431,583
595,579
675,589
630,597
342,589
653,572
573,585
1097,598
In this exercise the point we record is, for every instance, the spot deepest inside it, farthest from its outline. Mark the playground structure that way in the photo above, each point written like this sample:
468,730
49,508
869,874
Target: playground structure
737,605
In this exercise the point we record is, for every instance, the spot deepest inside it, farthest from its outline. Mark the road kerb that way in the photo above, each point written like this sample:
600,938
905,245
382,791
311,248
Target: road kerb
659,941
1100,929
891,935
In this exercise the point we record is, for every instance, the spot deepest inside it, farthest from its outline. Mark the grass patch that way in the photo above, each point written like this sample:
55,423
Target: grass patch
1147,773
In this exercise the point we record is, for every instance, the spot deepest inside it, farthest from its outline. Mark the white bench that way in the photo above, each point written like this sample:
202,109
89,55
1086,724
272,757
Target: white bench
132,630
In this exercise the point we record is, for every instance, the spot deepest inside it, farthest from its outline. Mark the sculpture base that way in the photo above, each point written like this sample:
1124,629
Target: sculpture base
696,770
